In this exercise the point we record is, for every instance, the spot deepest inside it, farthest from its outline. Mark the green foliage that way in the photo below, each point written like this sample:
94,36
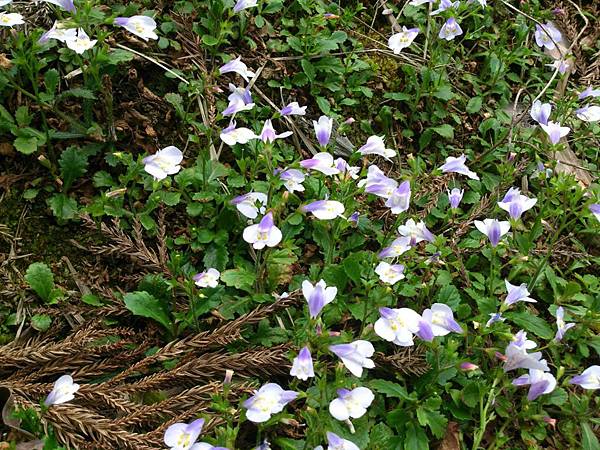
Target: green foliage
141,303
41,280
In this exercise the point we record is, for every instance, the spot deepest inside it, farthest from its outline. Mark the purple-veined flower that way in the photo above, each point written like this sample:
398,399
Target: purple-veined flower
263,234
589,92
517,294
141,26
269,135
495,317
324,209
493,229
377,183
59,33
292,180
399,201
588,113
398,325
321,162
376,146
302,367
240,99
444,5
589,378
293,109
323,130
399,246
81,42
247,204
163,163
516,204
555,131
317,296
516,356
268,400
539,383
337,443
547,36
457,165
540,112
450,29
208,278
417,232
236,65
455,196
182,436
468,366
352,403
10,19
403,39
355,355
345,169
595,210
63,391
232,135
240,5
67,5
562,65
353,219
440,319
390,273
561,326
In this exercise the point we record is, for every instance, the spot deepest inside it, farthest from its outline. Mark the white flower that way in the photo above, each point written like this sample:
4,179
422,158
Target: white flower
389,273
59,33
588,113
555,131
321,162
317,296
355,355
81,43
398,325
292,180
352,403
401,40
302,367
325,209
232,135
164,162
63,391
10,19
263,234
208,278
141,26
236,65
247,204
376,146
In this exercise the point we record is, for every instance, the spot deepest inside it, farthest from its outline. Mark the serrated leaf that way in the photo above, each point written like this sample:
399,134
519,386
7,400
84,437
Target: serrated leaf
416,439
209,40
41,322
474,105
78,93
308,69
62,206
390,389
40,279
532,323
444,93
216,256
73,164
141,303
433,419
26,146
589,441
445,131
323,105
239,278
51,80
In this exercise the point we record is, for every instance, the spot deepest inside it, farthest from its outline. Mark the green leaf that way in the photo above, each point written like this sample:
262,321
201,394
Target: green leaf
445,131
308,69
51,80
532,323
416,439
143,304
22,116
78,93
216,256
324,105
41,322
588,438
40,279
444,93
73,164
339,36
26,145
118,56
63,207
433,419
209,40
239,278
273,6
474,105
352,266
390,389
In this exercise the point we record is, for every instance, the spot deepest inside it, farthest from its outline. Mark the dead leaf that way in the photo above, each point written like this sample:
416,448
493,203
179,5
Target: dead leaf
31,445
6,148
8,406
451,440
5,63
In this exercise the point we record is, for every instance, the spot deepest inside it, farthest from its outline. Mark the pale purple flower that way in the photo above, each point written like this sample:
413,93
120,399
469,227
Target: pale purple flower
63,391
450,29
516,356
182,436
455,196
67,5
555,131
589,92
250,204
438,321
457,165
323,130
163,163
493,229
419,2
232,135
517,294
377,183
264,446
540,112
10,19
516,204
354,218
293,109
5,2
236,65
444,5
337,443
302,367
595,210
269,135
355,355
403,39
59,33
345,169
321,162
263,234
81,42
417,232
268,400
244,4
539,383
141,26
208,278
561,326
495,317
589,378
376,146
206,446
390,273
352,403
468,366
562,65
588,113
398,325
547,36
399,246
240,99
292,180
324,209
399,201
317,296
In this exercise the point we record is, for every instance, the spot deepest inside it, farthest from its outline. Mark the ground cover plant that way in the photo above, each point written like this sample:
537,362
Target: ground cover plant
299,224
